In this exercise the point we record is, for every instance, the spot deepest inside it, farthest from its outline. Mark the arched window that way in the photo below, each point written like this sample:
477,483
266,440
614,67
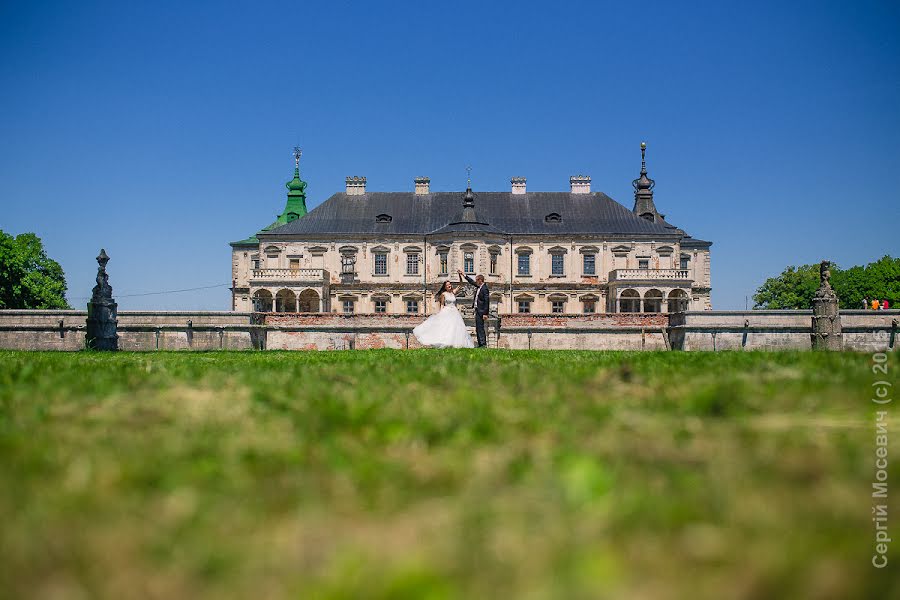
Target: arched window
262,301
629,301
285,301
653,301
678,301
308,301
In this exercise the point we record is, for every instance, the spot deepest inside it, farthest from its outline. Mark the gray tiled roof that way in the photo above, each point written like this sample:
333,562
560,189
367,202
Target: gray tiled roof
594,213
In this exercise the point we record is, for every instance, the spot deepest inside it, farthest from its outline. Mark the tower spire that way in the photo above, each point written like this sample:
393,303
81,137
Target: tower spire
643,191
296,196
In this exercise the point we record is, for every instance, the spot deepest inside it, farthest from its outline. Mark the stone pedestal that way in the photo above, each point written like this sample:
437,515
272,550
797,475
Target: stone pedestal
826,320
101,319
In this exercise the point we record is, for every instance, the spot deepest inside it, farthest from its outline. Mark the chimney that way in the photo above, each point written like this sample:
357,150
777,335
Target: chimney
580,184
423,186
356,186
518,185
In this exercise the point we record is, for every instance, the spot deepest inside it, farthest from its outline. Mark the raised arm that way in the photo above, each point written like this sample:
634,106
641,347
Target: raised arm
467,278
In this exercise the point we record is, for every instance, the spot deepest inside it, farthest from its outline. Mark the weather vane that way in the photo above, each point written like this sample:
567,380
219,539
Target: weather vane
469,176
297,154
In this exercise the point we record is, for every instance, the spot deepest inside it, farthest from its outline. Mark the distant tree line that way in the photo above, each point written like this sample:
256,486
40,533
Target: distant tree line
796,286
28,277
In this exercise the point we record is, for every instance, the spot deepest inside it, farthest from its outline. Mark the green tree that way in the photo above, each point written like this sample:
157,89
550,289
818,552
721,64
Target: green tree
796,286
28,277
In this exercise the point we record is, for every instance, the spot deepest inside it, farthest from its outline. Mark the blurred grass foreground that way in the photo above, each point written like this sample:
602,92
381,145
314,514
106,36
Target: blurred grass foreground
439,474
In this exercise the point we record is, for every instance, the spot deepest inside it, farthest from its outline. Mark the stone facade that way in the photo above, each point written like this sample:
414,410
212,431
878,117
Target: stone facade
576,252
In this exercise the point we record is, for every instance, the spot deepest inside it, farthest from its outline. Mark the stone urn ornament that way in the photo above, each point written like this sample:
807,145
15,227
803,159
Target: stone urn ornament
101,319
826,320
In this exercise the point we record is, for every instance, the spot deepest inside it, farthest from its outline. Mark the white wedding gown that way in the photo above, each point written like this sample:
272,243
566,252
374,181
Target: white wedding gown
444,329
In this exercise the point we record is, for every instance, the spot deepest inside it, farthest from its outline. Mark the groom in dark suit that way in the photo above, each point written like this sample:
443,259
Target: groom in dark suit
481,303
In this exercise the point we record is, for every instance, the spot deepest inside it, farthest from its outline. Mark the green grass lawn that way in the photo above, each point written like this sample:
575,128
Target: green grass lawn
439,474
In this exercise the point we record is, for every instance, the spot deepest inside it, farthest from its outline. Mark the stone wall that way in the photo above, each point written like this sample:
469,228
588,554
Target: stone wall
865,331
138,330
609,331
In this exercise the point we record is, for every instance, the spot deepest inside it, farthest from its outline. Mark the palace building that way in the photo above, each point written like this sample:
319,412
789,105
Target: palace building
567,252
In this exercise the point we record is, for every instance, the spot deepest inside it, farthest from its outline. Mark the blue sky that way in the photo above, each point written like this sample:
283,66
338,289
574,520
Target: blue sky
163,131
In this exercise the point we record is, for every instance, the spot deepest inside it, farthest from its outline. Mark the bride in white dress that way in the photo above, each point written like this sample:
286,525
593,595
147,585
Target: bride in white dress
445,328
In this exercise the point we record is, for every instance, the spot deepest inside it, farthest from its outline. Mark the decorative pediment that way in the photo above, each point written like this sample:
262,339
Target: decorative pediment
318,250
348,250
468,247
410,249
495,249
524,298
380,249
557,297
557,250
524,250
663,250
272,250
441,249
589,250
621,249
589,298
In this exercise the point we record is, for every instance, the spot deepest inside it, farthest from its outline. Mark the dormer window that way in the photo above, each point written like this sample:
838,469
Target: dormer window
383,218
648,216
553,218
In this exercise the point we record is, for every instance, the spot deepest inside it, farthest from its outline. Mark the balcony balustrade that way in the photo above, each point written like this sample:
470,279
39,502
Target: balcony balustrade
648,274
289,274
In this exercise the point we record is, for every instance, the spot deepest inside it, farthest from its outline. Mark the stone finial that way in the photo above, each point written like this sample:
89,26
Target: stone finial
101,332
826,321
825,275
102,291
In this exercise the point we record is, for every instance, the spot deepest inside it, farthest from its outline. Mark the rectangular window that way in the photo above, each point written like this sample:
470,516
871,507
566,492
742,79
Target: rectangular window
381,306
590,264
556,264
493,263
348,264
685,263
412,306
348,306
256,263
524,306
524,264
295,265
443,258
412,263
557,306
643,263
589,307
468,263
381,264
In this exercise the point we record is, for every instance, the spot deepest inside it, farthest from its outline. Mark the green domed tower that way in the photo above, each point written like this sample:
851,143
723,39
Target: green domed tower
293,209
244,253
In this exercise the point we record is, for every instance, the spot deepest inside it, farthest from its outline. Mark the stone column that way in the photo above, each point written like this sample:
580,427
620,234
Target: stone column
101,319
826,320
